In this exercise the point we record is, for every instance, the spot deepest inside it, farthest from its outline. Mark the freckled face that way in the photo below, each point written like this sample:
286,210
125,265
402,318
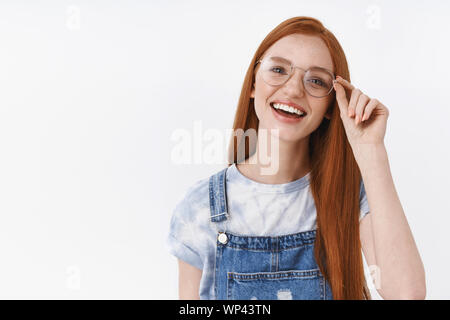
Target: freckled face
303,51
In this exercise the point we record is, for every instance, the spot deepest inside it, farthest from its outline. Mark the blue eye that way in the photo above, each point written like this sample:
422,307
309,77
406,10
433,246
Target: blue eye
317,81
278,68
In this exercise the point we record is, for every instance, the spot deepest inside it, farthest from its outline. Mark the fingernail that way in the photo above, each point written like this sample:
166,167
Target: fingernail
356,120
364,117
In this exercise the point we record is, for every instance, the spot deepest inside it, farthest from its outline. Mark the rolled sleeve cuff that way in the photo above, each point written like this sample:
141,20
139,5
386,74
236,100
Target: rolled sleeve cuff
183,252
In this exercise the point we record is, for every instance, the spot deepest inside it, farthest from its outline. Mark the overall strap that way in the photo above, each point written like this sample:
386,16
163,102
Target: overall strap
217,196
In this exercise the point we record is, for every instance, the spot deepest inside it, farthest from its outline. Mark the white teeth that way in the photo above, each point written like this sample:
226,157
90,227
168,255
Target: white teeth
287,108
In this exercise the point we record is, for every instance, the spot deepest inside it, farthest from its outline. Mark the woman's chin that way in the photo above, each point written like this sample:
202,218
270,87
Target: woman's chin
290,139
286,135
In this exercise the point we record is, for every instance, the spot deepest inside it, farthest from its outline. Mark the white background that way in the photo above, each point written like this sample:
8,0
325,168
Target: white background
92,91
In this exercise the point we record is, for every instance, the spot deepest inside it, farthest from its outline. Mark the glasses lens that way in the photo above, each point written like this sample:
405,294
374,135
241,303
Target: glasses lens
275,72
318,82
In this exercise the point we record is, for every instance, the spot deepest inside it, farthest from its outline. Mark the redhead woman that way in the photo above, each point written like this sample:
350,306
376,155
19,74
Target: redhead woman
300,231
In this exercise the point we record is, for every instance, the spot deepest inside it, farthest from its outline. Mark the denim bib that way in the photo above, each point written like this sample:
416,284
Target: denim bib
262,268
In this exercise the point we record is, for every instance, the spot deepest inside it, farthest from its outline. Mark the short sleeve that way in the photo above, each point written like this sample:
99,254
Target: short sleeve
181,238
363,204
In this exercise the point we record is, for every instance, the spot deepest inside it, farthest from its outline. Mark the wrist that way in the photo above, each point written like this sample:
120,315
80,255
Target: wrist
367,155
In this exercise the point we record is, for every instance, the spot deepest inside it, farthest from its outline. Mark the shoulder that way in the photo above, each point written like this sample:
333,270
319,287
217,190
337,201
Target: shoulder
194,200
190,233
197,195
194,205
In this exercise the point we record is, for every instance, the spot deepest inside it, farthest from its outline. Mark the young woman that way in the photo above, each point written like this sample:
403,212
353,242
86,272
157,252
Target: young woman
297,233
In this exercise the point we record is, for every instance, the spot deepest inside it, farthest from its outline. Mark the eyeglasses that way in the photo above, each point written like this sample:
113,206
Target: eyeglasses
276,71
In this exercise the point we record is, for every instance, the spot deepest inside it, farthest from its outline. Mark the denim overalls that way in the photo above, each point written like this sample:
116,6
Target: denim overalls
263,268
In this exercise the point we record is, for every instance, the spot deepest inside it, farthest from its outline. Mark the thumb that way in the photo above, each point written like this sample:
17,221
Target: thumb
341,98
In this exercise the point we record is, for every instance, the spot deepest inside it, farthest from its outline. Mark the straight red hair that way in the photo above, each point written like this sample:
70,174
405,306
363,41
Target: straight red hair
335,176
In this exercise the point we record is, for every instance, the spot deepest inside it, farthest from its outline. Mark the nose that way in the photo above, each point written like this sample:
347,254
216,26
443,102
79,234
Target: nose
294,85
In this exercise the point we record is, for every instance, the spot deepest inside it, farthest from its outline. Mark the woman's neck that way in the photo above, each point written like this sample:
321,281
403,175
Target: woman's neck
289,163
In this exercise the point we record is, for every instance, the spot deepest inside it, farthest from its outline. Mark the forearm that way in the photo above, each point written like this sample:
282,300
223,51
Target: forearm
401,269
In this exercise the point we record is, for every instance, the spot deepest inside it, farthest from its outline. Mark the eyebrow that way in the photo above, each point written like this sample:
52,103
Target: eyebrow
288,61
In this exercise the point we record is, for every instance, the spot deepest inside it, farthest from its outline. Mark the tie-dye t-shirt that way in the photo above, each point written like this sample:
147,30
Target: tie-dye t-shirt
255,209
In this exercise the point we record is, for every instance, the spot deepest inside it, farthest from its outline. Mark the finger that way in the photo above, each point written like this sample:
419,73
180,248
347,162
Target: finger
341,98
360,105
353,100
345,83
373,103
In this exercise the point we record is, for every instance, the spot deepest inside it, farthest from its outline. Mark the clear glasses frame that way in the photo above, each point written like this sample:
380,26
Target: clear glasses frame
303,78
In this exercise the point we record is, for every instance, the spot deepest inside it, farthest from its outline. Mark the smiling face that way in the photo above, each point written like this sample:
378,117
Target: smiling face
304,51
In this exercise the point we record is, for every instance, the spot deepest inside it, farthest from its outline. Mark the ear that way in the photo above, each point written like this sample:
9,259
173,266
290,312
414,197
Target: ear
328,113
252,94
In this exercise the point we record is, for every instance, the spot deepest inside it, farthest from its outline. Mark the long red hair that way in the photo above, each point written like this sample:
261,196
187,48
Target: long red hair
335,176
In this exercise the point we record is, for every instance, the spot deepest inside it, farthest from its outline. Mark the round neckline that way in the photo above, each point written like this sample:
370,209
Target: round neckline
234,173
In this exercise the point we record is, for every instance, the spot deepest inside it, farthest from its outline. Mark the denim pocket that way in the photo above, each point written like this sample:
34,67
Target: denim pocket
281,285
